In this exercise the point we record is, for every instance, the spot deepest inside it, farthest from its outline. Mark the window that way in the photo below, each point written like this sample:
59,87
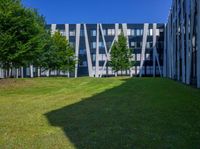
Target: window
94,45
72,44
72,33
104,32
111,32
133,57
158,32
133,44
149,44
128,32
82,51
93,57
85,63
108,44
138,57
133,32
101,45
82,33
62,32
139,32
148,57
139,44
93,33
150,33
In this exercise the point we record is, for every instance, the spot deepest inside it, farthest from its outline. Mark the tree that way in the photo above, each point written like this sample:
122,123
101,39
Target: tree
64,57
21,30
120,55
25,42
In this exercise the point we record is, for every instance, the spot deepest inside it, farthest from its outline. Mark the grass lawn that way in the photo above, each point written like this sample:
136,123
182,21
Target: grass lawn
107,113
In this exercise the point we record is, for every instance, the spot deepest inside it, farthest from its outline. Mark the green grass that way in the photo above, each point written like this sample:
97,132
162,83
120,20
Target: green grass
107,113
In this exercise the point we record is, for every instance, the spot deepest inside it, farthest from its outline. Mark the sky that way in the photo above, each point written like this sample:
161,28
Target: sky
101,11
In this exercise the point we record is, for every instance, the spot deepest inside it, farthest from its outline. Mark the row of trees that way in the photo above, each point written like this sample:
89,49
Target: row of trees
24,42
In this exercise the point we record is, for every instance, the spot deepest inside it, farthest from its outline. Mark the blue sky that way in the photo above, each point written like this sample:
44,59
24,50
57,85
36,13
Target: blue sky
102,11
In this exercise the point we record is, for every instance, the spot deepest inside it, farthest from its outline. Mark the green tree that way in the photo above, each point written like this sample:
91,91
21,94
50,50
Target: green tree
21,30
62,54
121,55
25,42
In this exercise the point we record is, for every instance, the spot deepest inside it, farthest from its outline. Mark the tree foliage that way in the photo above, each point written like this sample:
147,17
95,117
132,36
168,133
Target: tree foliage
24,40
121,55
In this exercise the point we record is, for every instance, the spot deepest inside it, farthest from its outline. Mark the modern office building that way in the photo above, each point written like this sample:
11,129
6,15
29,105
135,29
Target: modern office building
182,42
93,42
171,50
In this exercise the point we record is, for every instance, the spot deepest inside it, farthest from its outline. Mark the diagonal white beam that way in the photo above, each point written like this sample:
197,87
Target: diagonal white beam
89,61
103,37
144,42
108,55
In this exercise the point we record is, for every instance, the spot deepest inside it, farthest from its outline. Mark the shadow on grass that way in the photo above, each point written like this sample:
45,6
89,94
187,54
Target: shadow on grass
127,116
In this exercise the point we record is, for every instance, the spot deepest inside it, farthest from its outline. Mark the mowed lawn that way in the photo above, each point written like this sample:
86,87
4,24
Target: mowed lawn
107,113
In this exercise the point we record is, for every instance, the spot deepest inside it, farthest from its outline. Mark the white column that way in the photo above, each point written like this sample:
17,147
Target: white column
53,29
31,71
165,53
78,27
39,72
144,42
48,73
22,72
154,49
97,53
17,73
67,31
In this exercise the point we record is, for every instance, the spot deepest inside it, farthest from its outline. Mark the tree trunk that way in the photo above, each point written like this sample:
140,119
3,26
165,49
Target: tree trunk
5,73
57,73
49,72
